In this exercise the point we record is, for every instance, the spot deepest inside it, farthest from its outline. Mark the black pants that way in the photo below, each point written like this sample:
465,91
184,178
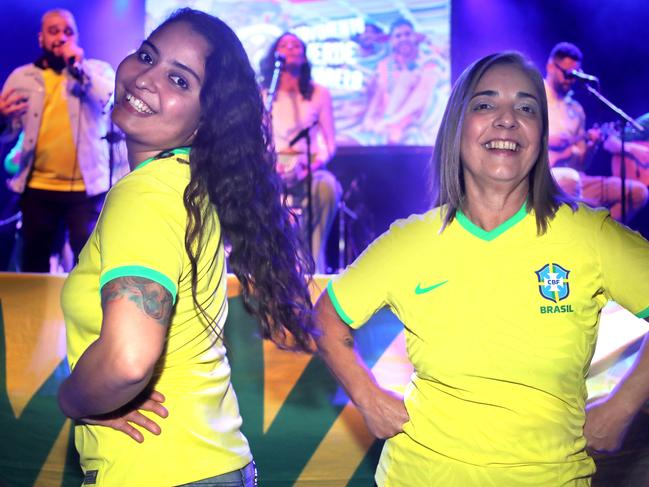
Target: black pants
47,215
629,466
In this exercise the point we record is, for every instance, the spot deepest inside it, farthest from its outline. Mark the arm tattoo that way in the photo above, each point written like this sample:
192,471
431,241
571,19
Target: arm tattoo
153,299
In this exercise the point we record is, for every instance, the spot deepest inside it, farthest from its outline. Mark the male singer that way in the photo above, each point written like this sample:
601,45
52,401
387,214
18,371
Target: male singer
58,107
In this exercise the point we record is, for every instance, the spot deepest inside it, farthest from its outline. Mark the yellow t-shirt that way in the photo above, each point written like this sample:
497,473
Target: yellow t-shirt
500,327
141,233
56,167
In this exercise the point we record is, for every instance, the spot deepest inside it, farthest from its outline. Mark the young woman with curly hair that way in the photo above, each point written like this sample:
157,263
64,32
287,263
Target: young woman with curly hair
146,305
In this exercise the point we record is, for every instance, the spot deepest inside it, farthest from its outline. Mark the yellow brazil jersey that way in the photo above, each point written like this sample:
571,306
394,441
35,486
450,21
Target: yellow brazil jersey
500,327
141,232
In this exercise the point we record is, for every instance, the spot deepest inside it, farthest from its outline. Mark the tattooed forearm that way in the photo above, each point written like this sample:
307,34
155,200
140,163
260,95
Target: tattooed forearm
148,295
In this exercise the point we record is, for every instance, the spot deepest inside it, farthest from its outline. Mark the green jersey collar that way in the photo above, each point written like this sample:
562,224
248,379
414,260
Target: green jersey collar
164,154
492,234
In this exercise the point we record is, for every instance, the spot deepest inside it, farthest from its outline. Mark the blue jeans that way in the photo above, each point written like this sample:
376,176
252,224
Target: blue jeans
244,477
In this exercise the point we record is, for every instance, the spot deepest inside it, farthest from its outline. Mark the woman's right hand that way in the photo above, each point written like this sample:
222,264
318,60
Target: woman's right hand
385,414
121,419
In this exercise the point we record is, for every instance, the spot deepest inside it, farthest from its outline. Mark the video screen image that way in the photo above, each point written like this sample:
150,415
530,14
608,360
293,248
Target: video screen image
386,63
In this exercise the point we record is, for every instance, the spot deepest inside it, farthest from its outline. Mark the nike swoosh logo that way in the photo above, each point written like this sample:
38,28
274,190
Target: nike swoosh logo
424,290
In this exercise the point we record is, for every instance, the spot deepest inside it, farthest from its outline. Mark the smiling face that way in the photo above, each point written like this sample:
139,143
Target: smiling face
502,130
157,91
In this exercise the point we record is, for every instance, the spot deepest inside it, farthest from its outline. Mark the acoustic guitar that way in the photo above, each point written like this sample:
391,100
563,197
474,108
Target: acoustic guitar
291,165
636,161
568,155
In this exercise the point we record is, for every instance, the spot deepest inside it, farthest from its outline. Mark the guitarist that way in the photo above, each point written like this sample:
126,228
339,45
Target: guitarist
571,145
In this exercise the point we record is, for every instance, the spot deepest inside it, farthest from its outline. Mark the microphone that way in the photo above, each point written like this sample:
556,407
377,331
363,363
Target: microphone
75,68
579,74
280,60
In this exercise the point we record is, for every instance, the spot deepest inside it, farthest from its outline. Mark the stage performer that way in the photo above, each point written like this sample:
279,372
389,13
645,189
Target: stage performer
59,107
571,145
499,287
146,305
300,103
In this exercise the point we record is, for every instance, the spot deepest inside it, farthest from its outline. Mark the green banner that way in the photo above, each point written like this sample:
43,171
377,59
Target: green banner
301,426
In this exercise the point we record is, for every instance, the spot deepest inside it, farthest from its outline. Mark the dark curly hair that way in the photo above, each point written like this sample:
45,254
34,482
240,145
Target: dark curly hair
233,167
267,65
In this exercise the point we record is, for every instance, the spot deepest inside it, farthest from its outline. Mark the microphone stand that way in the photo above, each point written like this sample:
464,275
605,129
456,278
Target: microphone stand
305,134
112,137
274,81
625,120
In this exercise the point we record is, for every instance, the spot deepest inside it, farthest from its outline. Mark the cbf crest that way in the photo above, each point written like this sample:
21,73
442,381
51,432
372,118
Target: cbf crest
553,282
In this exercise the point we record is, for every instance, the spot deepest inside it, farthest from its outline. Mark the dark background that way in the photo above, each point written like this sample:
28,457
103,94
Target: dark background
611,34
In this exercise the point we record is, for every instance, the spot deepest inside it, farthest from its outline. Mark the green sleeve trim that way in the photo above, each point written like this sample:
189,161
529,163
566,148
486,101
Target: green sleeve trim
140,271
337,306
643,314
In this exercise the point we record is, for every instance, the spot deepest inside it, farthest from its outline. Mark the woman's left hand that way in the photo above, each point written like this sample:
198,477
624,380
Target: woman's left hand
386,414
121,419
606,423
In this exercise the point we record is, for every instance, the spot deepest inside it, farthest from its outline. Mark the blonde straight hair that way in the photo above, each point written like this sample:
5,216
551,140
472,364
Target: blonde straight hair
446,182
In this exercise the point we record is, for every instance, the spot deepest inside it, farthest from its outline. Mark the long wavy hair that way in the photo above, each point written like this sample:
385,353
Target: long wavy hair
232,165
267,65
446,174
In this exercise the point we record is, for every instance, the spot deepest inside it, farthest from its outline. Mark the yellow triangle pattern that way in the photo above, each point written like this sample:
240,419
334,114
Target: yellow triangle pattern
34,333
282,369
347,442
54,466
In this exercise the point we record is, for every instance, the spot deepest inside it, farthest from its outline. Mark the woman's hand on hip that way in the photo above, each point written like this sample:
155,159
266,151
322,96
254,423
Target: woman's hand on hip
131,414
385,414
607,421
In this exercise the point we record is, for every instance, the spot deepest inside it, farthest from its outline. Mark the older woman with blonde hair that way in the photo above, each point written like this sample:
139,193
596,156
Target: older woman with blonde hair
500,288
